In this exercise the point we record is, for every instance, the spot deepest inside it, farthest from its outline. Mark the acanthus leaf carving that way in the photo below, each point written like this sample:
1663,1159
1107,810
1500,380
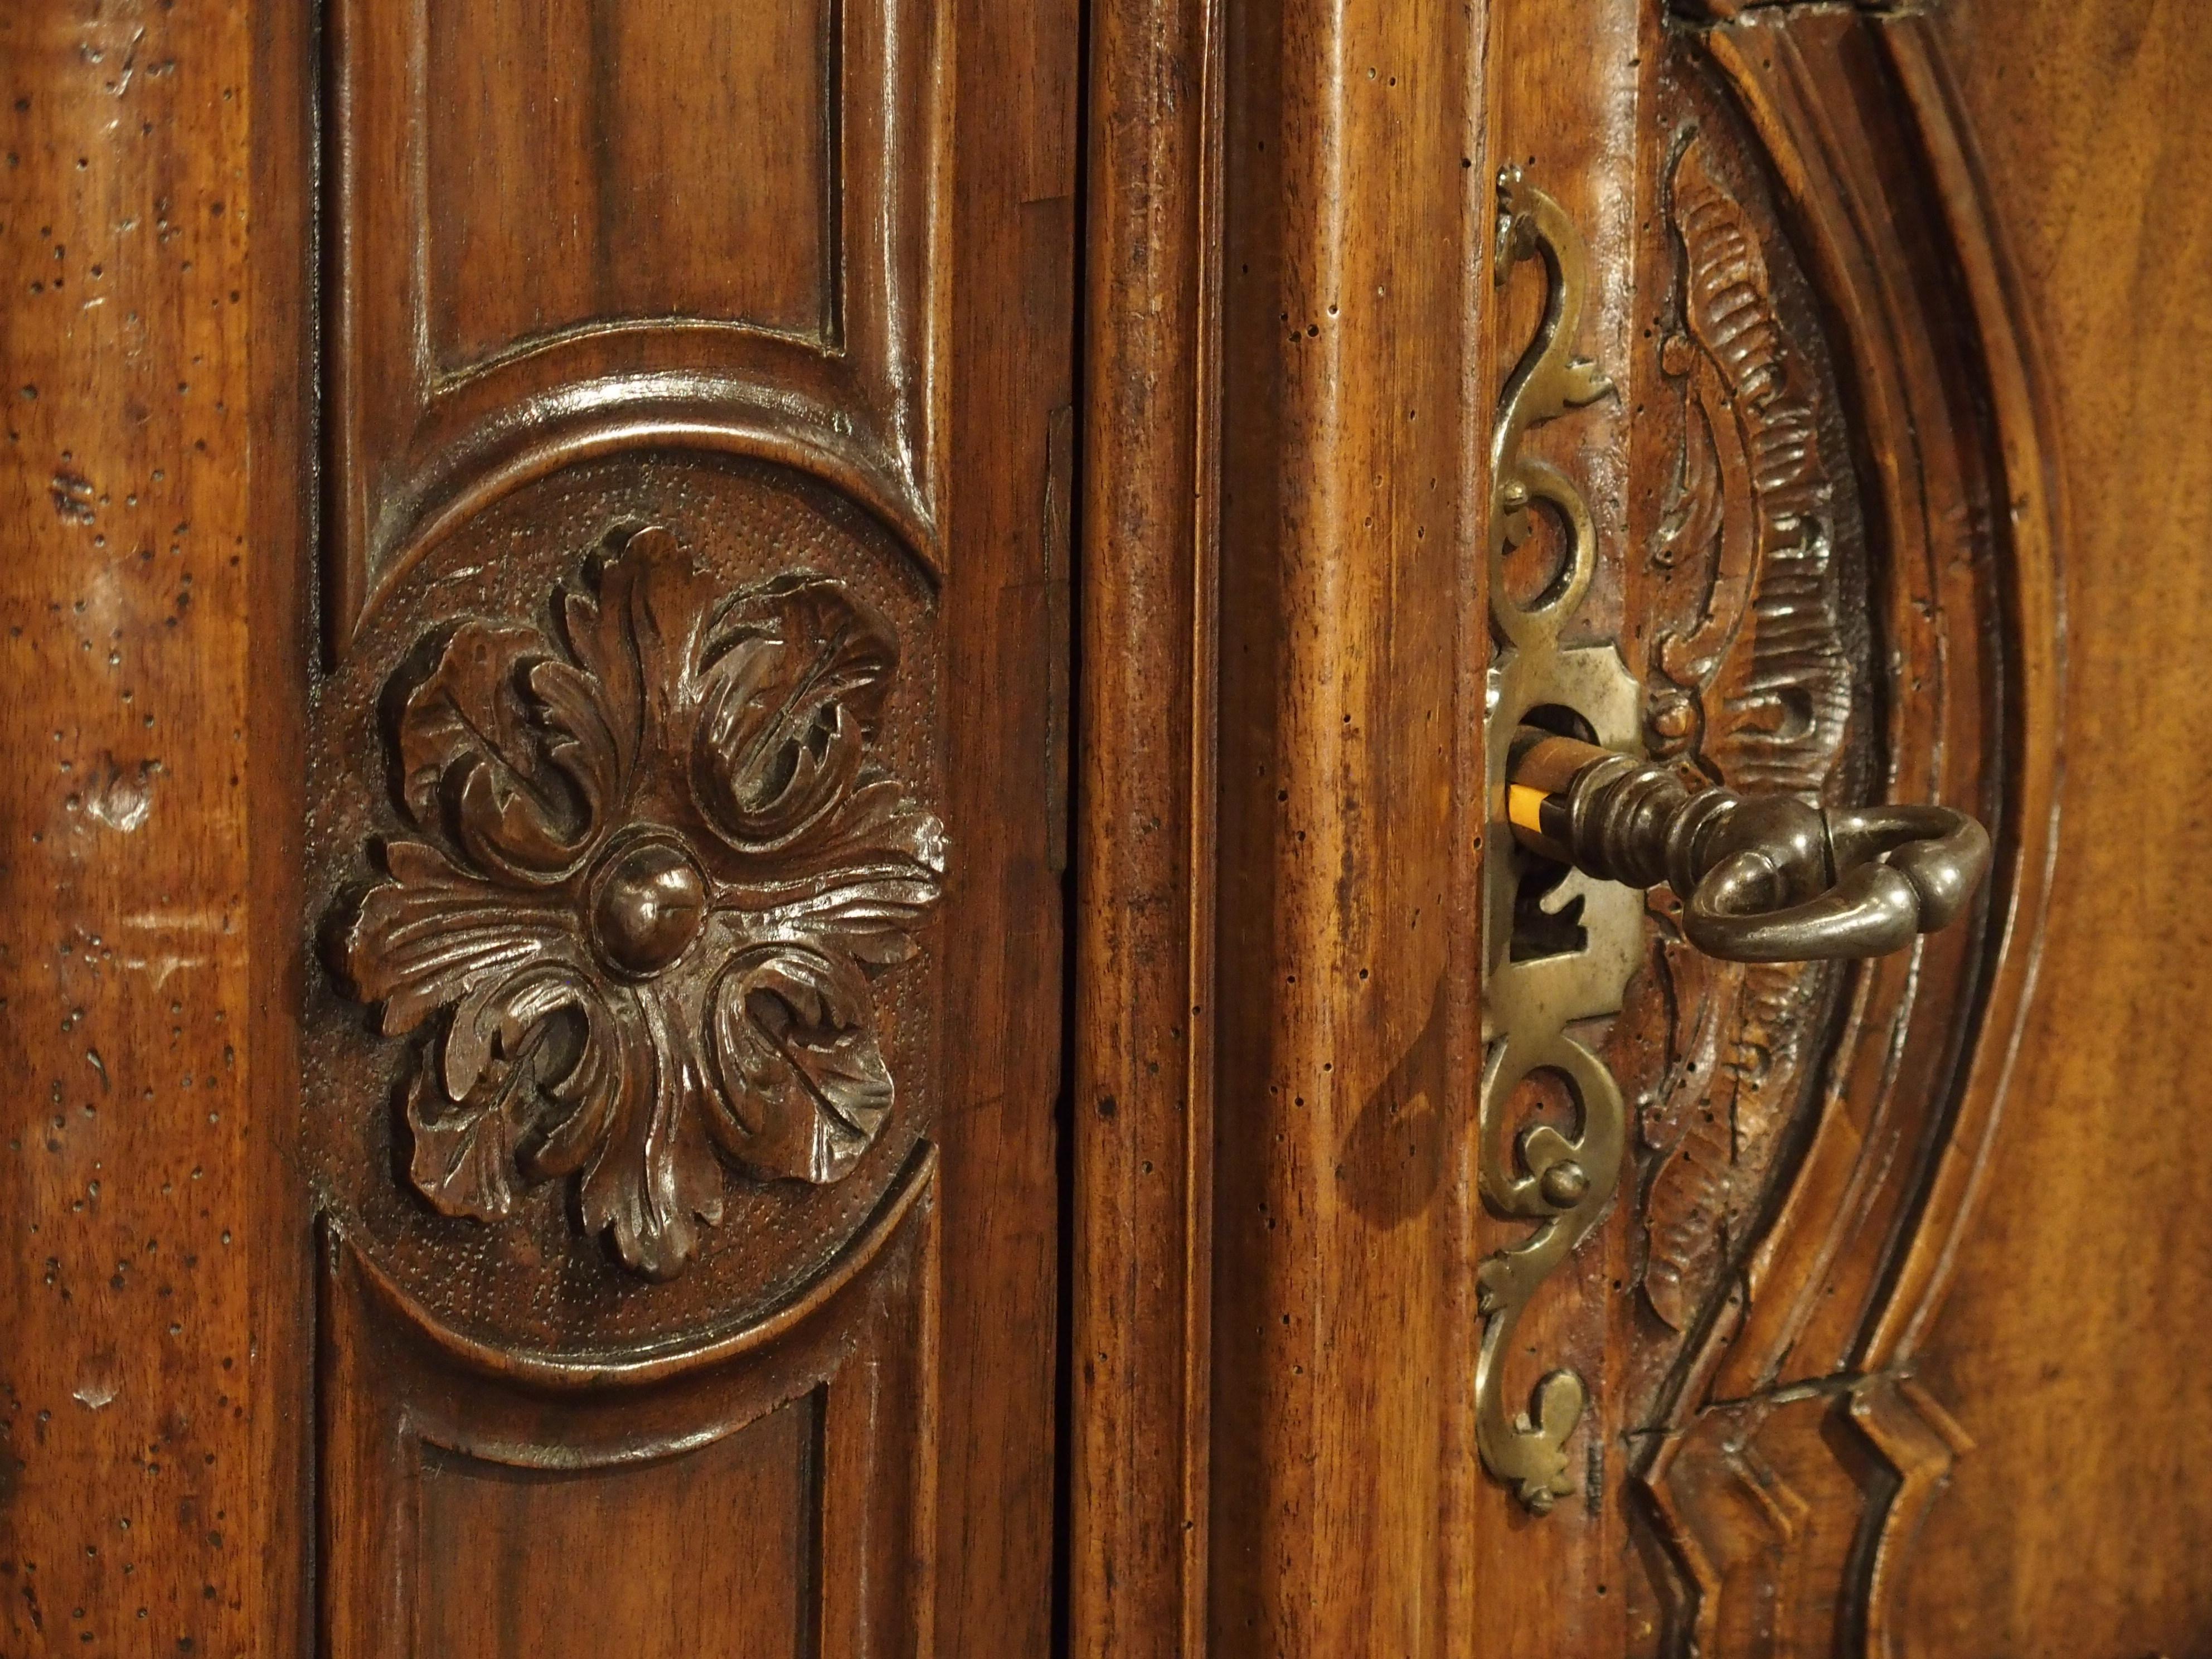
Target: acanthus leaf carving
656,869
1760,683
1753,690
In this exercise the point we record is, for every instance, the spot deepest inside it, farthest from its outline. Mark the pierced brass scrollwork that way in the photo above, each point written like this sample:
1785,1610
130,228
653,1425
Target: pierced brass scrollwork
1535,987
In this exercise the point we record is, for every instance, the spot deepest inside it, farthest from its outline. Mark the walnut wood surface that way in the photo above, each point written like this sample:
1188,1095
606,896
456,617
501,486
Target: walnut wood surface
1344,1296
2069,1347
763,1498
1841,1264
1146,998
532,216
154,1365
665,255
1797,499
912,1324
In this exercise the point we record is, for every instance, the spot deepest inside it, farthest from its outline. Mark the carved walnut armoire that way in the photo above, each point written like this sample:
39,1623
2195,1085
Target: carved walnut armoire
1147,829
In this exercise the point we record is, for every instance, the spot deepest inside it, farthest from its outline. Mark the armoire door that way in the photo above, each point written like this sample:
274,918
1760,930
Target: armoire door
1793,397
537,607
783,858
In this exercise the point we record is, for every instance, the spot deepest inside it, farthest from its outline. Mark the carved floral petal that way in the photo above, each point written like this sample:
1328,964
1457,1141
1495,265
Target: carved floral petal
470,757
433,935
866,885
430,934
464,1154
467,1152
594,1028
635,1131
795,680
634,629
505,1055
803,1086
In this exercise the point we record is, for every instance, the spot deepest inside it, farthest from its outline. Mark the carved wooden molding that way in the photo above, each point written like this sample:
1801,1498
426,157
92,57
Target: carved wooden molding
1789,1454
627,832
520,281
1766,1504
441,1459
629,754
659,864
1759,688
1757,559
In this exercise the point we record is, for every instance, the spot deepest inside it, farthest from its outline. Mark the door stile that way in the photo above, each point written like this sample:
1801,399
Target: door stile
1145,991
1352,653
283,449
157,344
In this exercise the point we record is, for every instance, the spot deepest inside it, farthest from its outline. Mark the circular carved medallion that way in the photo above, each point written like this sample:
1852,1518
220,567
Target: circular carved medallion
629,856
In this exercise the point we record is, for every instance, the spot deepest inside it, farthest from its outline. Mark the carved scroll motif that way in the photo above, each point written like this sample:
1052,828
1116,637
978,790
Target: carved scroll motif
1751,685
651,869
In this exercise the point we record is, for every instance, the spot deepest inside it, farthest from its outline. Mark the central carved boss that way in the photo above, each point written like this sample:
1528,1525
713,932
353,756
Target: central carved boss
660,870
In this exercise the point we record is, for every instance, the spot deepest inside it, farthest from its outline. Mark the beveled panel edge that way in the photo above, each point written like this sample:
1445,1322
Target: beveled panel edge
546,1369
387,1390
864,407
2014,370
1824,166
726,333
1814,130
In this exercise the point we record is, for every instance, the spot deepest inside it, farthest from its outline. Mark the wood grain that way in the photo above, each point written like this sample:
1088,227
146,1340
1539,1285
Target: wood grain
791,454
152,1374
1804,1355
1009,233
162,459
1352,649
497,1548
1562,86
555,234
568,186
767,1499
1772,1482
2063,1348
1159,1343
1146,998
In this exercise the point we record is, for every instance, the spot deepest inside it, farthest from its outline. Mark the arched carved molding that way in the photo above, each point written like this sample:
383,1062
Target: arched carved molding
518,282
555,1369
1920,1442
1759,674
1768,1508
627,879
643,413
1797,1358
2035,522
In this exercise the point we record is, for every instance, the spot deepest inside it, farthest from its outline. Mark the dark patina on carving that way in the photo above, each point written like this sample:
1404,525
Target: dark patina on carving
1754,666
658,867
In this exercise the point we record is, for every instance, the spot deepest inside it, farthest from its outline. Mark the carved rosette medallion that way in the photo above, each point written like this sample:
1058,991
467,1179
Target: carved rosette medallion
653,865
